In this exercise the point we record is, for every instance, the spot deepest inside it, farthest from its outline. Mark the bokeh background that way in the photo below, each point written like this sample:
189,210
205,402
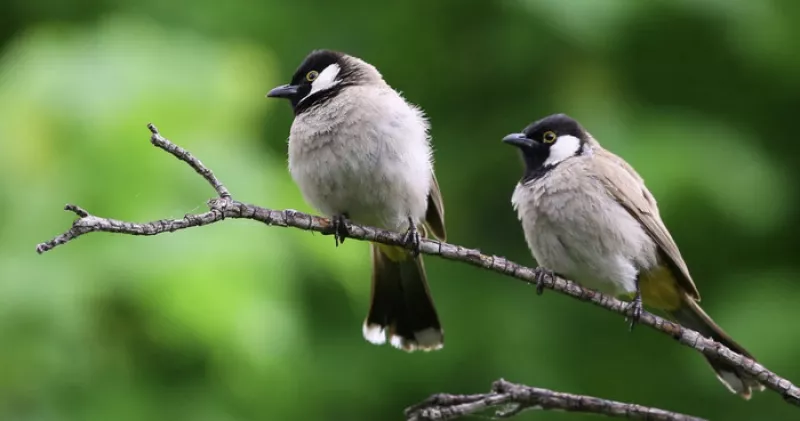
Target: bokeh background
237,321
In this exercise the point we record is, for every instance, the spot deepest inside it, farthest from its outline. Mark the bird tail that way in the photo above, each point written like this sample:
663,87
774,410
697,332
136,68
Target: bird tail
401,302
690,315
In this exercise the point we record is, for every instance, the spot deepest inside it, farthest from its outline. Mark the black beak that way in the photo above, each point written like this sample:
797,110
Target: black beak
518,139
285,91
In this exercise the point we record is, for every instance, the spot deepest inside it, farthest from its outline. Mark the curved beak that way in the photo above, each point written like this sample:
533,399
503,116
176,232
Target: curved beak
284,91
518,139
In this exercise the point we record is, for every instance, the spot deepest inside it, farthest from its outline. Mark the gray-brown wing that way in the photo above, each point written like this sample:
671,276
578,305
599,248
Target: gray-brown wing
434,216
628,188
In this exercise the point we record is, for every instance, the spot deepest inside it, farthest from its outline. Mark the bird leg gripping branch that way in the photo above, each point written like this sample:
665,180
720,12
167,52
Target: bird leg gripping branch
540,276
635,307
224,206
339,228
412,237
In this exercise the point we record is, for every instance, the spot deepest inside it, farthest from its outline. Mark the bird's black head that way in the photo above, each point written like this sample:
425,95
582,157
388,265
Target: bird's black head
321,75
547,142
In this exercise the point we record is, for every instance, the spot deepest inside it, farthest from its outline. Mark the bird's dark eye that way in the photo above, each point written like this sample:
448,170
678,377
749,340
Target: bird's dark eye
549,137
312,75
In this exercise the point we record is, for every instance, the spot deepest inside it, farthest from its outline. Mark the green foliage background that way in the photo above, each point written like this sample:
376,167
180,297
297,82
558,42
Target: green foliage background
236,321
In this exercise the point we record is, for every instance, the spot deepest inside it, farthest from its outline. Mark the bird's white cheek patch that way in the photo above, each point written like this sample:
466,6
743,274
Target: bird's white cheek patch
564,147
325,80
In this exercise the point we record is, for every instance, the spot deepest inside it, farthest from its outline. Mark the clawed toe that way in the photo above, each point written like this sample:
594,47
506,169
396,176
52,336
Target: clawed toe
634,310
540,274
339,228
412,238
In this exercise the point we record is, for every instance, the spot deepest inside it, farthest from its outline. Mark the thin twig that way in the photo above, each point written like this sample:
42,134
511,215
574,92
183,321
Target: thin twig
510,399
157,140
225,207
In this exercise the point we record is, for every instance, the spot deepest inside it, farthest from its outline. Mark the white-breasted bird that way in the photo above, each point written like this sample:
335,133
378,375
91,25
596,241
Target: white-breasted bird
360,152
588,216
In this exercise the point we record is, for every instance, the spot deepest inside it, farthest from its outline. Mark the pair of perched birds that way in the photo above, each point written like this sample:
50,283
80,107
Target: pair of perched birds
360,152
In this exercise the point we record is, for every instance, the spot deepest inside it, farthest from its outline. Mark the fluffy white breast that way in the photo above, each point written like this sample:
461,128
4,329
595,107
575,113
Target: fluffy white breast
574,227
365,152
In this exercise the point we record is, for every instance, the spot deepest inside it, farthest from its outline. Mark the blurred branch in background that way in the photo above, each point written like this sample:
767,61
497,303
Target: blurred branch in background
224,206
511,399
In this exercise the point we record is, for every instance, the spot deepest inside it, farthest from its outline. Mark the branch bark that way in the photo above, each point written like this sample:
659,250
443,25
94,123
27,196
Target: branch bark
224,206
510,399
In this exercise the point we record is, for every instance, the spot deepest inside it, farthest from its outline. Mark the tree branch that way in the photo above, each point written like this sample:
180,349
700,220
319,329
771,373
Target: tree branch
157,140
223,206
511,399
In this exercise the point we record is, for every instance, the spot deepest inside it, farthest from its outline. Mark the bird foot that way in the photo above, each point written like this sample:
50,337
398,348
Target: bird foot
540,274
339,228
412,238
634,310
